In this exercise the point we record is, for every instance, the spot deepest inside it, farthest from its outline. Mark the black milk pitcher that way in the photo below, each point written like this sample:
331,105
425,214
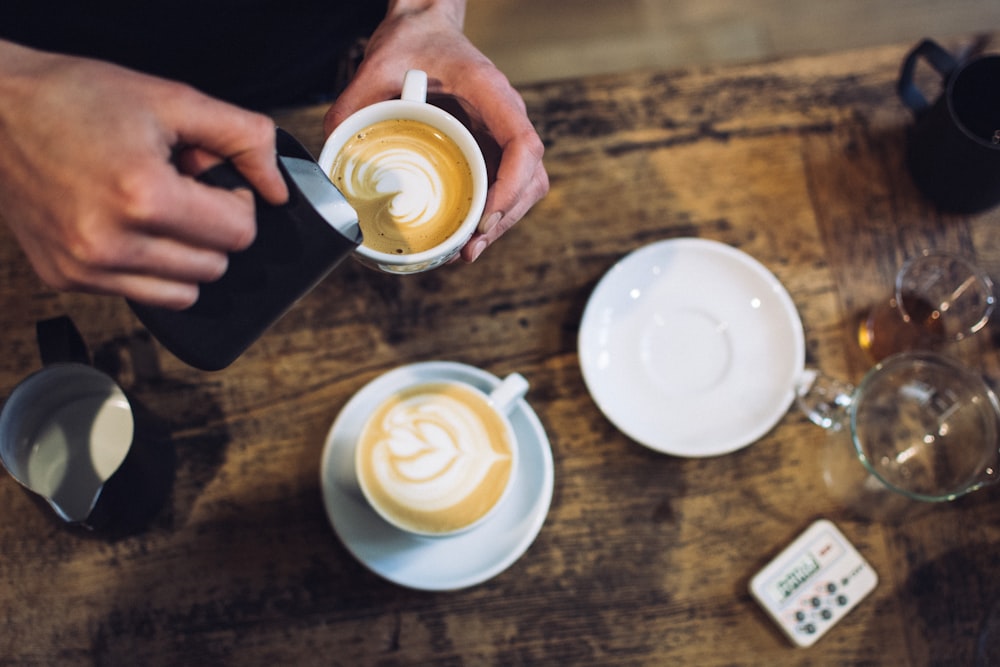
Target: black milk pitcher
297,244
953,148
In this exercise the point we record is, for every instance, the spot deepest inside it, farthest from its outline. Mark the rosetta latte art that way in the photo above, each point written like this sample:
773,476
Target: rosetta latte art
434,460
410,185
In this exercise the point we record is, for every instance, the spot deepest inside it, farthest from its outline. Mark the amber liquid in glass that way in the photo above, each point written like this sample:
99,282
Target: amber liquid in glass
886,330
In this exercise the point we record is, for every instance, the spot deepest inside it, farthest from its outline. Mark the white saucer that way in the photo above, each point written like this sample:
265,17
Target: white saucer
436,564
691,347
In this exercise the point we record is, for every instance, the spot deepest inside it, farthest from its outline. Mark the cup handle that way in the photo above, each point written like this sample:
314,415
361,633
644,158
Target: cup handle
509,392
59,341
822,399
415,86
942,62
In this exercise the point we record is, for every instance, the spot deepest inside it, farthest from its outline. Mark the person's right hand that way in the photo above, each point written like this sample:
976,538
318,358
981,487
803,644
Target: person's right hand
96,166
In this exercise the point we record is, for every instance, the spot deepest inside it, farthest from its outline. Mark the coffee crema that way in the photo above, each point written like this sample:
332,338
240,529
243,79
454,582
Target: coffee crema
434,458
410,184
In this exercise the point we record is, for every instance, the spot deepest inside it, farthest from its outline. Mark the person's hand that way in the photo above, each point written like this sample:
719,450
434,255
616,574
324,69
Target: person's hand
96,166
431,39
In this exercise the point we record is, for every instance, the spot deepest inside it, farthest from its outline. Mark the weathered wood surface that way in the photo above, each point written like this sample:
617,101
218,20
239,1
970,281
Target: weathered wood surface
644,558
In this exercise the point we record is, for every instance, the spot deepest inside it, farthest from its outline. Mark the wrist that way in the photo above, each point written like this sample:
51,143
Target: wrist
452,10
17,62
22,75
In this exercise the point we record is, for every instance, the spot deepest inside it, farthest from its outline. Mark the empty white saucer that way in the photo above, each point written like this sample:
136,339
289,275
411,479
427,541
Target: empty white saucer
426,563
691,347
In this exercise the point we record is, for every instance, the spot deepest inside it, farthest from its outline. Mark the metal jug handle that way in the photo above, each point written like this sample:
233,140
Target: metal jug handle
942,62
59,341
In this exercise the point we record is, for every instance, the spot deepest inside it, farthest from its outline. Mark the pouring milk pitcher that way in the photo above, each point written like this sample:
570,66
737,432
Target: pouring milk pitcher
921,426
297,244
69,434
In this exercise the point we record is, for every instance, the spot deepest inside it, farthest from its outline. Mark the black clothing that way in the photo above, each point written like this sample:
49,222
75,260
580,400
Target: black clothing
260,54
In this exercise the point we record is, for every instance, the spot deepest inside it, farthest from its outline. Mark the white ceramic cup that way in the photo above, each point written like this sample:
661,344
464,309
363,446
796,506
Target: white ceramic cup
413,106
429,462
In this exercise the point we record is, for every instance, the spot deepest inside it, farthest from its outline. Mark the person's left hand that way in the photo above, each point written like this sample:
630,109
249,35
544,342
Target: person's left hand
431,39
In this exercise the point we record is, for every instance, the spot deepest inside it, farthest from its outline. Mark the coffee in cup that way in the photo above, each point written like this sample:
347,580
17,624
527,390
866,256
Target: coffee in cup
436,458
415,175
409,182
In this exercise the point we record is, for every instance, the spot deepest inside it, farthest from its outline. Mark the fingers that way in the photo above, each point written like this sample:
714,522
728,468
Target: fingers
159,202
129,219
170,234
149,290
521,182
460,70
176,231
174,284
246,139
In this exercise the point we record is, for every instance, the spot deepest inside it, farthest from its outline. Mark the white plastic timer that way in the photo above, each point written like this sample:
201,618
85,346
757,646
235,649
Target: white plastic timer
813,583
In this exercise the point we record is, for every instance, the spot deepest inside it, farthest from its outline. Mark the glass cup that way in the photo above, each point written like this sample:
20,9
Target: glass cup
919,427
938,298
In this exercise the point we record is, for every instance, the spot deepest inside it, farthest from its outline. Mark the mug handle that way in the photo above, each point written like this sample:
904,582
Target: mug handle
414,86
59,341
942,62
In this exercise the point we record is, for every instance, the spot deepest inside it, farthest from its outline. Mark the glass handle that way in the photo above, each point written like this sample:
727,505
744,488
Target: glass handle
823,399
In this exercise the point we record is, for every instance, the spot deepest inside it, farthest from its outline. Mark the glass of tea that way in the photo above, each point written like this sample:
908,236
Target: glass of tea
939,297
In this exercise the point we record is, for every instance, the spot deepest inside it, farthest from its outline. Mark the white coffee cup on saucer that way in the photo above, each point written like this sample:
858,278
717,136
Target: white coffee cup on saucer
436,564
438,457
415,175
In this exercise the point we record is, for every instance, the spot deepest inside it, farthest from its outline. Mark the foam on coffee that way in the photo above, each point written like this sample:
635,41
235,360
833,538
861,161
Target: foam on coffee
409,183
434,458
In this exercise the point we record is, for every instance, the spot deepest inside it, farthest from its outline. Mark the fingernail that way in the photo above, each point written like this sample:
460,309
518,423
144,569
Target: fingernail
477,249
486,224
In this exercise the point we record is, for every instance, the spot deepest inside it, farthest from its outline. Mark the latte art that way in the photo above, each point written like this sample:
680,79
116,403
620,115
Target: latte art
435,458
410,184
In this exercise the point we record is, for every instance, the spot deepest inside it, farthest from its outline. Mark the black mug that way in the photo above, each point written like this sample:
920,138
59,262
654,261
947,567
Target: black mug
953,148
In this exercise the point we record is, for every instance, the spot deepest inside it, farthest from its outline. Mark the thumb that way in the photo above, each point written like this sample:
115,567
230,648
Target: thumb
360,93
245,138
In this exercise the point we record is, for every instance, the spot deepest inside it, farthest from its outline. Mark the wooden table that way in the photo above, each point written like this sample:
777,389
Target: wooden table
644,558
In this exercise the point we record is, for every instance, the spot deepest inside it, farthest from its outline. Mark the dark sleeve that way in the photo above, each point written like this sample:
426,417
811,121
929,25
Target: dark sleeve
257,53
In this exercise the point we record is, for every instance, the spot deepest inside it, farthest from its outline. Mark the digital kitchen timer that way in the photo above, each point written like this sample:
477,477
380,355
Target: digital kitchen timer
813,583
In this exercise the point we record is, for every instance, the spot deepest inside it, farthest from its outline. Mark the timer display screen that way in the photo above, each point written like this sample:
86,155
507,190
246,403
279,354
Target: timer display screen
796,575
